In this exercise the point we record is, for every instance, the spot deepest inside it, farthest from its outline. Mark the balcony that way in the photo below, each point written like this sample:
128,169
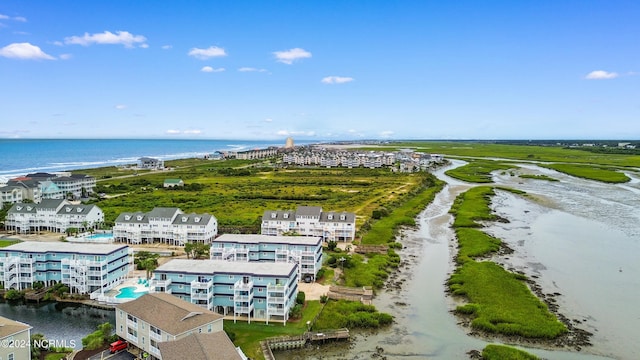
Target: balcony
205,285
160,283
155,336
201,295
132,338
277,311
243,285
132,324
243,309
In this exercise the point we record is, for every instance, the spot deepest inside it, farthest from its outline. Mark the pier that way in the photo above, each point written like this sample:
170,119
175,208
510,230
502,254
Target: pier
299,341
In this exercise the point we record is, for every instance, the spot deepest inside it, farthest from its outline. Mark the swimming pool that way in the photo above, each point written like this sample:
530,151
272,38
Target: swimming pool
130,293
100,236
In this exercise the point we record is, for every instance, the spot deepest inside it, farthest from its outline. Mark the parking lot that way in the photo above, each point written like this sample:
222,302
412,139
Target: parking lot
122,355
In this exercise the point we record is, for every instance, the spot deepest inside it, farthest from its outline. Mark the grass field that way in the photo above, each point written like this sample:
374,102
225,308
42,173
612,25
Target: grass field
5,243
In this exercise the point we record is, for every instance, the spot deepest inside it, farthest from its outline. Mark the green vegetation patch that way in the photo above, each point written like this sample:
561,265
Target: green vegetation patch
248,336
606,175
500,302
350,314
538,177
474,243
477,171
5,243
502,352
472,206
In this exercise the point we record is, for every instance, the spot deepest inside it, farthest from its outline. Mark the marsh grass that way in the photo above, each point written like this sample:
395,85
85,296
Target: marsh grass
477,171
350,314
502,352
538,177
606,175
498,301
472,206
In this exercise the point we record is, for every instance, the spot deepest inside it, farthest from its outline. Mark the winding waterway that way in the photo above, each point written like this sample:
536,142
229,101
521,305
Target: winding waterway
575,236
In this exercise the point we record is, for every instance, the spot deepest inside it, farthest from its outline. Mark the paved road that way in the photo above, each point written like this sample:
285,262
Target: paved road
122,355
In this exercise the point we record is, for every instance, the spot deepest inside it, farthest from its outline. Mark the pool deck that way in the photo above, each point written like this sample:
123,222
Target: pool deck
133,282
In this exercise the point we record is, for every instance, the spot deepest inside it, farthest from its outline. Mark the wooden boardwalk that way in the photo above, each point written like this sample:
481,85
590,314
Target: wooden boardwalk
299,341
363,294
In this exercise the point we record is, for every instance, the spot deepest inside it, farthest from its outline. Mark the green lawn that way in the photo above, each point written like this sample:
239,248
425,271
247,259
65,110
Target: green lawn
5,243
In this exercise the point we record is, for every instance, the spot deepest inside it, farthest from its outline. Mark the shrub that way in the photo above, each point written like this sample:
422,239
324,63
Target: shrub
14,295
300,297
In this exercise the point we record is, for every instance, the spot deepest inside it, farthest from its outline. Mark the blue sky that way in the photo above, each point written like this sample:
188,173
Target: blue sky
320,69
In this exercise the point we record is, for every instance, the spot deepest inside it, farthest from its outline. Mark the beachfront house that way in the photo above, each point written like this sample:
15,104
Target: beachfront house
259,290
160,323
15,338
165,225
74,186
83,268
148,163
52,215
310,221
306,251
10,195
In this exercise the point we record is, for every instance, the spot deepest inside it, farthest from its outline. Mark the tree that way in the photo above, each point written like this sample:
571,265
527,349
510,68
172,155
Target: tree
197,250
37,340
331,245
188,248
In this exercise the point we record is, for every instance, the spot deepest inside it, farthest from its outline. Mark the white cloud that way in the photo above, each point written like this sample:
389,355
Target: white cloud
250,69
119,38
144,46
295,133
20,19
16,18
336,79
166,47
120,107
386,134
183,132
192,132
291,55
65,56
204,54
209,69
268,120
58,43
601,75
4,17
24,51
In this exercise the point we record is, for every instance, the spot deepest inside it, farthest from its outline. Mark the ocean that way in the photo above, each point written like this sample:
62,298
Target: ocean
22,156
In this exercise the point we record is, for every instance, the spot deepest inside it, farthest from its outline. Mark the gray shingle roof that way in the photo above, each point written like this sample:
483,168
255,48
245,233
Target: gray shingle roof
192,219
208,346
279,215
32,208
133,217
333,216
308,211
76,209
169,313
163,212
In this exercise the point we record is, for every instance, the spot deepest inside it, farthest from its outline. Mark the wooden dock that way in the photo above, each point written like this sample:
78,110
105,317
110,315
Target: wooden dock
299,341
363,294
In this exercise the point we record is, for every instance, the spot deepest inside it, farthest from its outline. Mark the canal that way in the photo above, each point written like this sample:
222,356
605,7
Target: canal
64,322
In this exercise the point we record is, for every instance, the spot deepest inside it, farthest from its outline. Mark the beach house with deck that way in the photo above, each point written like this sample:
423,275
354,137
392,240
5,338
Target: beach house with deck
310,221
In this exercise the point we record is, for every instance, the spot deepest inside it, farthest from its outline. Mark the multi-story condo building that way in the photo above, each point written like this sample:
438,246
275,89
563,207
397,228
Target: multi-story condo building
84,268
52,215
10,195
70,185
157,323
165,225
15,338
259,290
305,251
310,221
150,163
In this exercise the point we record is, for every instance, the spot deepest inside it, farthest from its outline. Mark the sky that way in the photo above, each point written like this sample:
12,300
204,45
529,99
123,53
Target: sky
325,70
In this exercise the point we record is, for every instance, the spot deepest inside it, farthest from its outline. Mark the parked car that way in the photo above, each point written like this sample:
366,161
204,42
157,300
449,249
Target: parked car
117,346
